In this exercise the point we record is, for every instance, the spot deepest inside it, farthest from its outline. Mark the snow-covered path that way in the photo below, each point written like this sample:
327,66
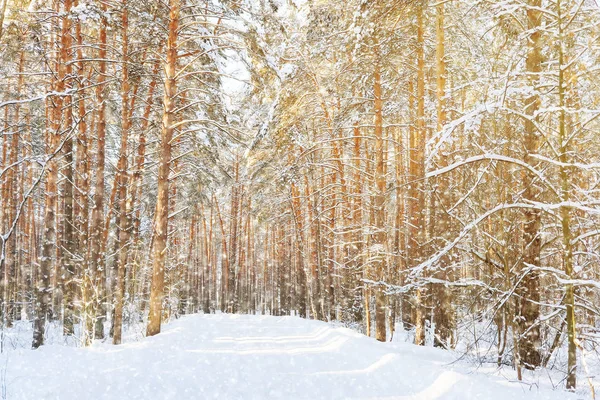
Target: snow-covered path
250,357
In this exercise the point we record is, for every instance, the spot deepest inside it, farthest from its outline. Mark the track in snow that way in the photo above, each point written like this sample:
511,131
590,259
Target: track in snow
251,357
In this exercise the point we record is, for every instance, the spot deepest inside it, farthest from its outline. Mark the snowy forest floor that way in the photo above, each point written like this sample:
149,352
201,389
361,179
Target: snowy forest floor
251,357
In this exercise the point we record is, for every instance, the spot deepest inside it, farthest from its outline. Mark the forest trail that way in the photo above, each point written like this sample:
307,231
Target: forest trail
251,357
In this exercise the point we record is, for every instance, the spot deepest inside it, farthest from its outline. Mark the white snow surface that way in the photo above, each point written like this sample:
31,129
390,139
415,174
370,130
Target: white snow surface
252,357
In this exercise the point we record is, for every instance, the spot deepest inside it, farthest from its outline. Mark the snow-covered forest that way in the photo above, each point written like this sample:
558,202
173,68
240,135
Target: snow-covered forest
416,171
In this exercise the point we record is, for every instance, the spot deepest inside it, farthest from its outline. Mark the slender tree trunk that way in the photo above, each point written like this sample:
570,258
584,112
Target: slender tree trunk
122,183
379,239
83,185
443,314
300,251
357,263
97,262
416,186
12,199
224,287
69,256
43,299
315,289
232,295
565,211
408,321
162,203
399,241
530,288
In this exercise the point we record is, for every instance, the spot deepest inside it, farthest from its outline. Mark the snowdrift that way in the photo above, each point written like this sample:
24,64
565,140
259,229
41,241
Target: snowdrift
252,357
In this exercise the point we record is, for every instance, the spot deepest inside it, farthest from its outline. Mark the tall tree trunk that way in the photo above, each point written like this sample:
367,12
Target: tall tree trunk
314,260
530,288
97,273
162,203
122,174
232,295
300,251
408,321
83,185
356,255
443,314
565,211
225,260
43,299
10,248
69,257
399,240
416,186
379,240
